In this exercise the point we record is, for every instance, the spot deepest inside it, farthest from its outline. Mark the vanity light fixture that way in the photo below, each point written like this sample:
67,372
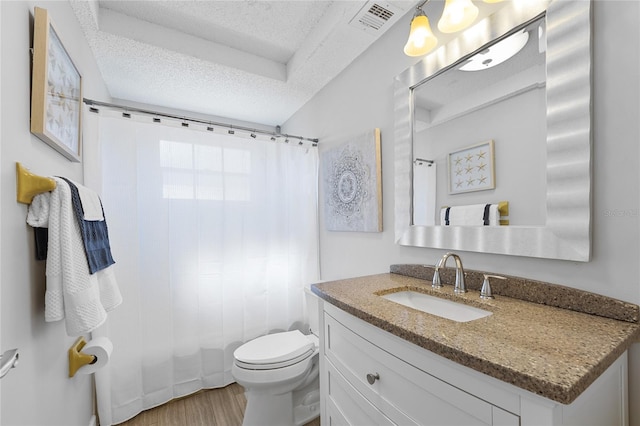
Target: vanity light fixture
421,39
456,16
498,53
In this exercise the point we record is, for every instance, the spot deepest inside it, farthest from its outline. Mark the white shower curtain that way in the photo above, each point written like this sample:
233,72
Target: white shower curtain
215,238
424,193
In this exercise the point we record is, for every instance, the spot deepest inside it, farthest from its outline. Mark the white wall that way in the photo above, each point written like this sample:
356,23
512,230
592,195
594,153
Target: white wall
38,391
361,98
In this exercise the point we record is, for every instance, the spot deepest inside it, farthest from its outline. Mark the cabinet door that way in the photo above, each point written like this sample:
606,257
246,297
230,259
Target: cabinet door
407,395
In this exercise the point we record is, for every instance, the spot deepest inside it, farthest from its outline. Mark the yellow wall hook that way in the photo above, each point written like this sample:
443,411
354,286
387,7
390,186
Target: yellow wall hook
28,185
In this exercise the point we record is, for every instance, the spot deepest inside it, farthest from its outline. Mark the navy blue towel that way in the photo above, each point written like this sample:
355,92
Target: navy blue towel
485,216
94,235
42,241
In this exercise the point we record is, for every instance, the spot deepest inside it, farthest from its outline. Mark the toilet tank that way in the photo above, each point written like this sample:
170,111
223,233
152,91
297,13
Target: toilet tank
312,301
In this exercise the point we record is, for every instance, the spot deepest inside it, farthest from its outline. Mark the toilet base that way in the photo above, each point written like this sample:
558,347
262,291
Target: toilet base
306,402
268,410
265,409
307,411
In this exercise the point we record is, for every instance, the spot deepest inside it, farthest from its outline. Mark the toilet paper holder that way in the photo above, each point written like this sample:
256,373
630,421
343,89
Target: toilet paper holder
77,358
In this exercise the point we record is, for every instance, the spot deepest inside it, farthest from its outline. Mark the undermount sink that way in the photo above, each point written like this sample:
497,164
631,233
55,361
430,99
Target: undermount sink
436,306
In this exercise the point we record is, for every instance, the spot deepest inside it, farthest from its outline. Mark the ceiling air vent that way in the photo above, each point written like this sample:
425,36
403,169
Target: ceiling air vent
375,17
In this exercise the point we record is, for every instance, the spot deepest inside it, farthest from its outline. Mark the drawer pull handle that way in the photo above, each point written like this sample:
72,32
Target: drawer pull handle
371,378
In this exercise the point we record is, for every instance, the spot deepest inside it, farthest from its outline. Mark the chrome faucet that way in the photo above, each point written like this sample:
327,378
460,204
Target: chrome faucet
459,286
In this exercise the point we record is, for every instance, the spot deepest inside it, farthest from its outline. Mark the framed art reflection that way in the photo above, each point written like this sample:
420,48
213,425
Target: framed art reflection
471,168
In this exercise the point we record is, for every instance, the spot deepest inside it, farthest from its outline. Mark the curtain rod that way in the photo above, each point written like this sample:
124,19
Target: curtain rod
276,134
422,160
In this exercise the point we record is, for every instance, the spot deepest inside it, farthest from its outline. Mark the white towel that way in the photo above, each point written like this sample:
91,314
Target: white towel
470,215
91,205
73,294
38,211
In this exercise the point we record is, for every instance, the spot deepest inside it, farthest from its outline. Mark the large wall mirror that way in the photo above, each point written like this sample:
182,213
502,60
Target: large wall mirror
533,111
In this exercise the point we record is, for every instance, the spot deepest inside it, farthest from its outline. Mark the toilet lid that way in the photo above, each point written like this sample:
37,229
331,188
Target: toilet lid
274,348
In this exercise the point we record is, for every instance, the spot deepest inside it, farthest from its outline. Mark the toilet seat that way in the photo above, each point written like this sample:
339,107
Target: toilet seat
275,351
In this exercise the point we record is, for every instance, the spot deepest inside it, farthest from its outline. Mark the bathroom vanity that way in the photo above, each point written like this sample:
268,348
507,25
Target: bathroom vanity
527,363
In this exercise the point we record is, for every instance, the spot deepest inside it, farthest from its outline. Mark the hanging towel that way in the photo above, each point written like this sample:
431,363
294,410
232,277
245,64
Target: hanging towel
38,218
95,235
41,239
470,215
73,294
38,211
89,201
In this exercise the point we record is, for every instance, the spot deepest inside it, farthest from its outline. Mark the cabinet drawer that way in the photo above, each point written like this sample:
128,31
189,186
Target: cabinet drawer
346,406
404,393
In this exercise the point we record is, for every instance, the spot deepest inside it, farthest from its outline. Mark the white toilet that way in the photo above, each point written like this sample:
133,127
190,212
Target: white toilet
279,373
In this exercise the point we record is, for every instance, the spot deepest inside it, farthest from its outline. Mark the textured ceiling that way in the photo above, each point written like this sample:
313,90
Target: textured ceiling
251,60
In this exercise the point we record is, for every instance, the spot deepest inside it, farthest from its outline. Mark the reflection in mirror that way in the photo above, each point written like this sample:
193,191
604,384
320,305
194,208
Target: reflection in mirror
498,95
563,230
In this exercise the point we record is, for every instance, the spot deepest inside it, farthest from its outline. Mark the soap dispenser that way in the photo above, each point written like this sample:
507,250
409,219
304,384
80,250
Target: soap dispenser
485,292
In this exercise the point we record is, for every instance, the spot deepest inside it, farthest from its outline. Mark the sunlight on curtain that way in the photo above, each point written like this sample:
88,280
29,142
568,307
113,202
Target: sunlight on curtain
215,238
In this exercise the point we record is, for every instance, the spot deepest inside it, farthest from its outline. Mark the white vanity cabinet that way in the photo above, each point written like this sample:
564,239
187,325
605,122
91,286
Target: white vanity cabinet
372,377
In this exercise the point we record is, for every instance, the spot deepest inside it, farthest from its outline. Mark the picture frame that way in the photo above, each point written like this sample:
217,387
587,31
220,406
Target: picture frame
472,168
56,90
352,184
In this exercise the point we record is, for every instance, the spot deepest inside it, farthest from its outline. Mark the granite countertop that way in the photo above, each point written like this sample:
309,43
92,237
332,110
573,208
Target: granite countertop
552,351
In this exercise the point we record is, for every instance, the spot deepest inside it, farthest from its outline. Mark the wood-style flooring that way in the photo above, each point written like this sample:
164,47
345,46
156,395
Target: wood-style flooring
213,407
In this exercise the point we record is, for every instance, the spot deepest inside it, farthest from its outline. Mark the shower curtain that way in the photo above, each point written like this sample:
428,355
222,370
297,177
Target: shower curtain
215,238
424,193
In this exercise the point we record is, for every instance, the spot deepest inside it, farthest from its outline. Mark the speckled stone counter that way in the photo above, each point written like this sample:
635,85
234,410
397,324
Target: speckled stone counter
553,352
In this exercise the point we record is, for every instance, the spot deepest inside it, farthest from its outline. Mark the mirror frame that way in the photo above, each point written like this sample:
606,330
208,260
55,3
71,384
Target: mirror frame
567,232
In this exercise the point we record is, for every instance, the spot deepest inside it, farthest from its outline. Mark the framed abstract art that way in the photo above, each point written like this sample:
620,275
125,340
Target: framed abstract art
352,184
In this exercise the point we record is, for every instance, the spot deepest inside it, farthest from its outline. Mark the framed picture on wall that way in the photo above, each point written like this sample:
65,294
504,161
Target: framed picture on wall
56,90
352,183
471,168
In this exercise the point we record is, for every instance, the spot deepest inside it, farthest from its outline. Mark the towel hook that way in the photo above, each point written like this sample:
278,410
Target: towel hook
28,185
